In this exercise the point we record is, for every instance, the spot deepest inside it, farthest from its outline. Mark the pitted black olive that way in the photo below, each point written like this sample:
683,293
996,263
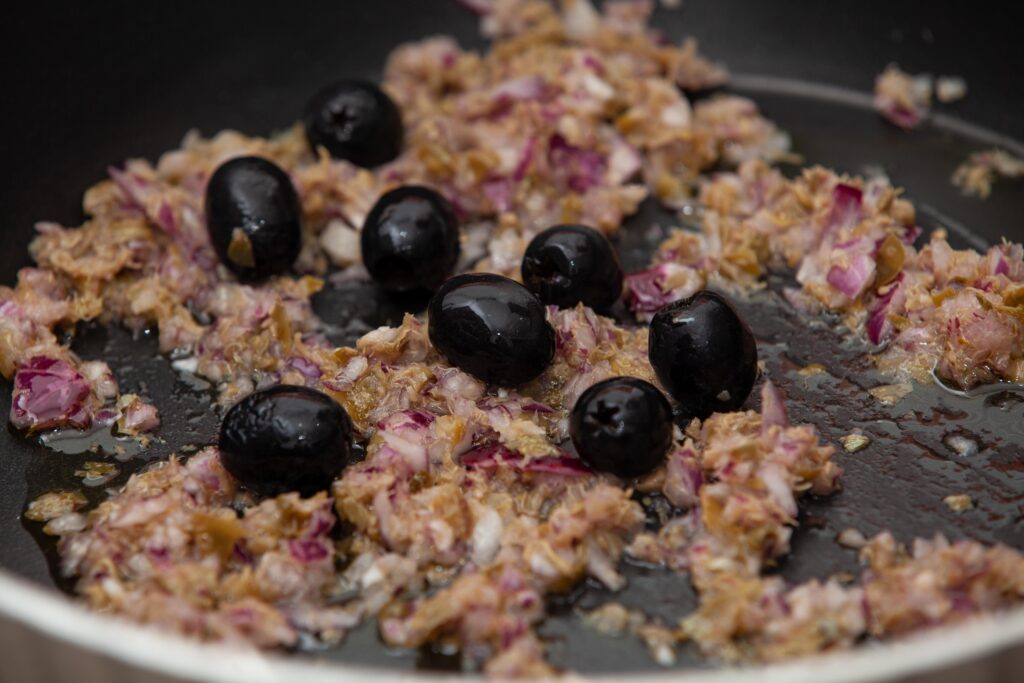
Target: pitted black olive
286,438
410,239
491,327
253,217
569,264
354,120
623,426
703,354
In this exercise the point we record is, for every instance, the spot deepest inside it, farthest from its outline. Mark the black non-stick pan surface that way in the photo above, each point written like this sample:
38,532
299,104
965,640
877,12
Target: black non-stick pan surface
91,85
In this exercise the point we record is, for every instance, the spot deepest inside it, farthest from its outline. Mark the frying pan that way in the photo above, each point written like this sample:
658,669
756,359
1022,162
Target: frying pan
91,85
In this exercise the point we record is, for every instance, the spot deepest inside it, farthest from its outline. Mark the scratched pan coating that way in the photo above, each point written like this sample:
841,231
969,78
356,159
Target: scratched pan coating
120,83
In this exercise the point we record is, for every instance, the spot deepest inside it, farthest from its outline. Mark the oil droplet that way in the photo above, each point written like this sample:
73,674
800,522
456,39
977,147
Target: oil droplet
100,440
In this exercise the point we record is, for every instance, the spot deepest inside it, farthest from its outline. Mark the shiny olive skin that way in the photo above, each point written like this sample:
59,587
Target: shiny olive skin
703,354
286,438
253,217
570,264
354,120
491,327
622,426
410,239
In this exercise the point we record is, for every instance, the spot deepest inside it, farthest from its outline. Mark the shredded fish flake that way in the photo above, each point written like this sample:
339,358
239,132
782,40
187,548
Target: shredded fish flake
853,443
950,89
812,369
54,504
976,175
891,394
958,502
97,473
851,538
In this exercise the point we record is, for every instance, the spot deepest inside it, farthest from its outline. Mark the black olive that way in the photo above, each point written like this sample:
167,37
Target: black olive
410,239
286,438
703,354
569,264
254,217
491,327
622,425
354,120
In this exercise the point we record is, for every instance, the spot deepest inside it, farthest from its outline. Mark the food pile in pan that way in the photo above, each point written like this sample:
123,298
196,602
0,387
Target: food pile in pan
508,431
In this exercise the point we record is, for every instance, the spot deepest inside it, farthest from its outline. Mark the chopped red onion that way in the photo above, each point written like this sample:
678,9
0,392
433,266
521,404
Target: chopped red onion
500,193
406,437
857,276
407,419
49,393
486,535
529,149
902,98
773,407
878,326
646,291
911,235
48,227
581,169
106,417
525,89
489,456
492,455
683,478
305,367
846,207
801,300
594,64
140,193
566,465
165,219
904,118
139,417
308,550
776,481
320,522
624,163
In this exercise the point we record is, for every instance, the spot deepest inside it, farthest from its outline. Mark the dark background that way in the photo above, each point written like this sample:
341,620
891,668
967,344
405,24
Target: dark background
89,85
